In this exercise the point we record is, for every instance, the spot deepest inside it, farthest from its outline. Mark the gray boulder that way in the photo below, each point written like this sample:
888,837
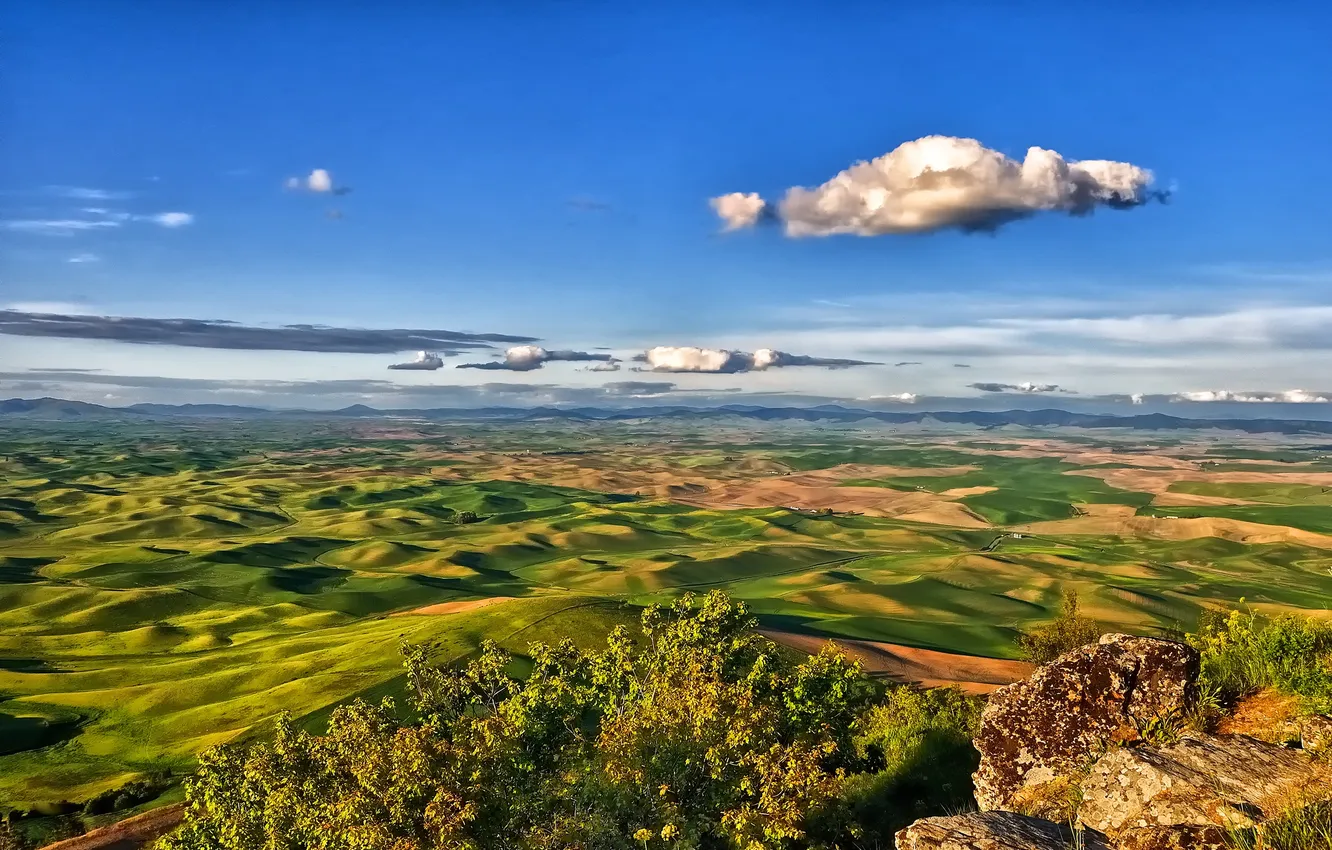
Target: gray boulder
1233,782
992,831
1046,729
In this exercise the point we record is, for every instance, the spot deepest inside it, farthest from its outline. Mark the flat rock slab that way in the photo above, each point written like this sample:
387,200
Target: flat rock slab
992,831
1049,726
1204,780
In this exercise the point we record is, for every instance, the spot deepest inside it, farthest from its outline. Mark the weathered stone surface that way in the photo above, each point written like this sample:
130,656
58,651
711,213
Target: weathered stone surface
1316,733
1175,838
1052,724
991,831
1204,780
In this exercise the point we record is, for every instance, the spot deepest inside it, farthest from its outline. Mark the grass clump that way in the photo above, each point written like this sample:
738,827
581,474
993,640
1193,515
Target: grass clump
1303,828
1070,631
1243,652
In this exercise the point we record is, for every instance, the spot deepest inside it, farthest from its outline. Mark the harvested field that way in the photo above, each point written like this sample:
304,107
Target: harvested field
910,665
455,607
129,834
1179,528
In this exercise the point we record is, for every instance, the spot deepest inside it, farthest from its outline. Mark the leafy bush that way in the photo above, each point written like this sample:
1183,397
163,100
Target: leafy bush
128,795
11,838
1243,652
1072,630
704,737
916,753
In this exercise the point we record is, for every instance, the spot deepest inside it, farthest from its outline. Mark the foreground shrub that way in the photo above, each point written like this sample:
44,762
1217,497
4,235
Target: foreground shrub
11,838
1072,630
129,795
917,760
704,737
1243,652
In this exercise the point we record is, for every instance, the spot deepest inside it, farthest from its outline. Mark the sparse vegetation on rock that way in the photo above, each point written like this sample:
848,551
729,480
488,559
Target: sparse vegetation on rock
1071,630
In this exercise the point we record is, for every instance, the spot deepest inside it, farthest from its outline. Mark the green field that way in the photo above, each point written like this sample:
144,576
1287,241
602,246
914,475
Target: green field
165,587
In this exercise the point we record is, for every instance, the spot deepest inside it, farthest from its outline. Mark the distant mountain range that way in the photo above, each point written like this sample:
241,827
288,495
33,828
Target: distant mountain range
49,409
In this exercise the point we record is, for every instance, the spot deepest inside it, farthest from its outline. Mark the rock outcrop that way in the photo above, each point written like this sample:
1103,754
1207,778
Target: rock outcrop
1203,781
992,831
1049,727
1316,733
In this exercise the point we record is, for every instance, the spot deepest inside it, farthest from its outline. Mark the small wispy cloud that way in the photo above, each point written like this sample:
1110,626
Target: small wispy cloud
58,226
320,180
171,219
84,257
86,194
582,203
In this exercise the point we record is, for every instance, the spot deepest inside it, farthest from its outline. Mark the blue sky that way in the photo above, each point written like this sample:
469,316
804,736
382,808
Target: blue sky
544,170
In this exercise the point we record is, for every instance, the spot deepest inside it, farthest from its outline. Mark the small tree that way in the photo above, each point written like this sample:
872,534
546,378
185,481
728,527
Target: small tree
465,517
1072,630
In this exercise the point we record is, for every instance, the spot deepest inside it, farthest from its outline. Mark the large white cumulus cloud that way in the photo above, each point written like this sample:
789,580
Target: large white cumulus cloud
940,182
686,358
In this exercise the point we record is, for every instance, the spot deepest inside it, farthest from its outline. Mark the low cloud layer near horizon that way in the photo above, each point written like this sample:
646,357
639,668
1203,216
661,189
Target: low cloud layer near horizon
204,333
941,182
1027,387
525,358
673,358
425,361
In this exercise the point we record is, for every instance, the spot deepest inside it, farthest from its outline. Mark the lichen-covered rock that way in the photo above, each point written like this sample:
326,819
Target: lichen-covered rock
992,831
1316,733
1233,782
1175,838
1049,726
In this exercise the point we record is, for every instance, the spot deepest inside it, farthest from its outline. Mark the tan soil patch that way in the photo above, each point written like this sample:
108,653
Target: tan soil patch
1188,500
455,607
129,834
1163,528
1159,480
910,665
712,487
947,513
802,494
1263,715
1136,459
959,492
1097,510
